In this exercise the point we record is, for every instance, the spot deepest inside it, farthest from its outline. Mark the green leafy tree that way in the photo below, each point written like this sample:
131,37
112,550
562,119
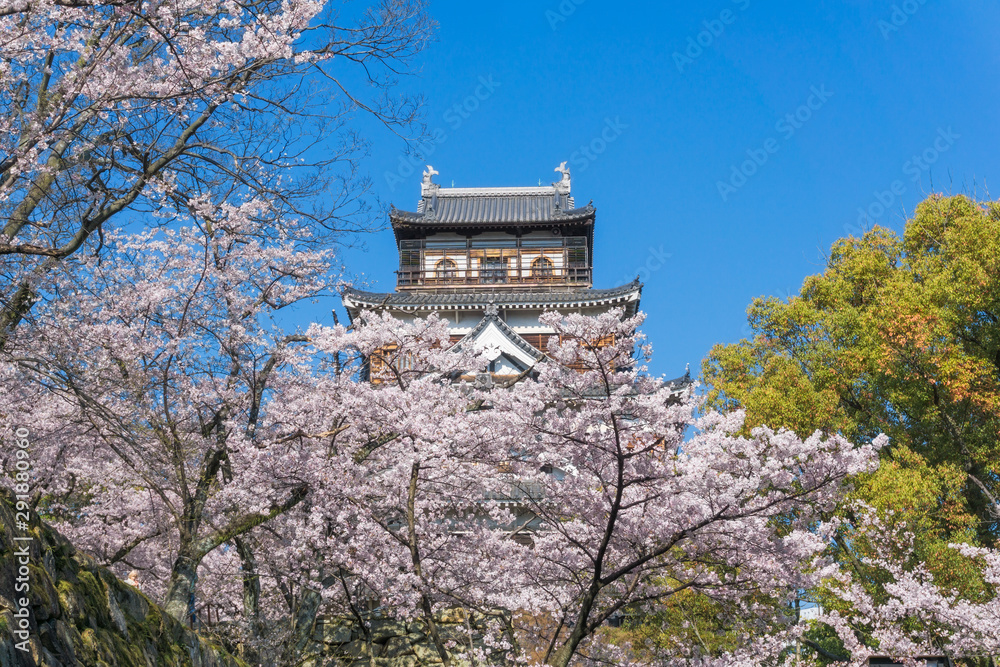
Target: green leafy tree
899,335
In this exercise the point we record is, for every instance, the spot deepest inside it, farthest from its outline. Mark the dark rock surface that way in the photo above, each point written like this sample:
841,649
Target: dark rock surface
80,613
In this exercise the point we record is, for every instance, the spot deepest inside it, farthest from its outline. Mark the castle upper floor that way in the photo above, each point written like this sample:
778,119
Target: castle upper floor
516,238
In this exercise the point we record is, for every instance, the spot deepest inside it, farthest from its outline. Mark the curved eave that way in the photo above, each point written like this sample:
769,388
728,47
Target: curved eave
627,296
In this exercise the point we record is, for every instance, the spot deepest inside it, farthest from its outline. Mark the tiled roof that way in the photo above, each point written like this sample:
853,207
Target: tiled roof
460,206
430,300
683,382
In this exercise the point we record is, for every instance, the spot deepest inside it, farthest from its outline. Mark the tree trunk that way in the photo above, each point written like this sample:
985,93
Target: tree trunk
251,585
564,653
411,532
179,600
19,305
304,619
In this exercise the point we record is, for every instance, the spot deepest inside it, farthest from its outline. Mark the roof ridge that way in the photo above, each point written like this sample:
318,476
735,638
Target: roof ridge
547,190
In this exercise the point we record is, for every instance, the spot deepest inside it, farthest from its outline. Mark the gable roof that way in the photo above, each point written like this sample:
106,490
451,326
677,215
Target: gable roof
509,341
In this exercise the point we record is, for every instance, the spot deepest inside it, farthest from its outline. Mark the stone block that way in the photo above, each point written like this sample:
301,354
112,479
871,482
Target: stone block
453,615
426,653
455,633
356,649
333,634
384,629
396,646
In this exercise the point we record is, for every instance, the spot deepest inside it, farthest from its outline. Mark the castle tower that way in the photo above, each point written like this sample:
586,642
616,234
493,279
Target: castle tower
491,261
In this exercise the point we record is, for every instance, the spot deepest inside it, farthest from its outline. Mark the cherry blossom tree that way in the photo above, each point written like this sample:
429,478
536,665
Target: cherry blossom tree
183,434
909,613
568,495
180,430
571,495
632,512
139,112
157,371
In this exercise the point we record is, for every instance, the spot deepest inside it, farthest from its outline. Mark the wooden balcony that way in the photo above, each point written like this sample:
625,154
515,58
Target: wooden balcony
556,277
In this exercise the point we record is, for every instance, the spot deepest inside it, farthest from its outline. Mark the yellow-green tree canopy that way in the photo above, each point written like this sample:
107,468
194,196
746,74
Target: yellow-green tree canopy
898,336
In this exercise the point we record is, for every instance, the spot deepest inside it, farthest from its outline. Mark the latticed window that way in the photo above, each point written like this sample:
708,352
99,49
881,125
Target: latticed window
409,262
379,363
494,268
386,361
577,257
542,268
445,268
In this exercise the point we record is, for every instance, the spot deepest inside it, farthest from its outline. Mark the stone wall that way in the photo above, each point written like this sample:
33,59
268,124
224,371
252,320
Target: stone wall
341,641
81,614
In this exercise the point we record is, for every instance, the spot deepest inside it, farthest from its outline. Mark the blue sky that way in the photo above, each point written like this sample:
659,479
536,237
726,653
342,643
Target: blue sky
834,115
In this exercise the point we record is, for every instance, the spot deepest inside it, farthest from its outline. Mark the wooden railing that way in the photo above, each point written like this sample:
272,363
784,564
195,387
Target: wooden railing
488,276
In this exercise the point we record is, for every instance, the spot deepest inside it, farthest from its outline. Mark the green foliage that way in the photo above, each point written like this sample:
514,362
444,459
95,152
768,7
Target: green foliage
822,644
686,619
898,335
901,336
